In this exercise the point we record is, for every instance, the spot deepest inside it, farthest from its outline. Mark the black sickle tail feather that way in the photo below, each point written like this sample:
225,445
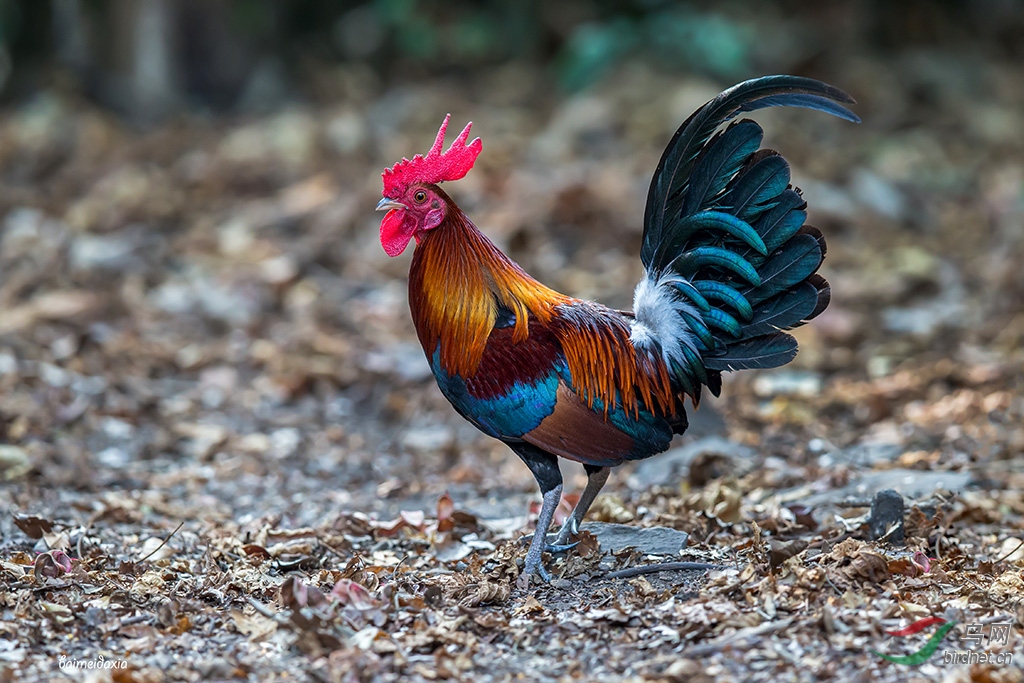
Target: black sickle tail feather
723,221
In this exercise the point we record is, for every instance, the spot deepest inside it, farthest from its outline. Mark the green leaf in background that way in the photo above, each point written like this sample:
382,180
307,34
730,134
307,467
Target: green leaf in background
673,37
593,49
702,42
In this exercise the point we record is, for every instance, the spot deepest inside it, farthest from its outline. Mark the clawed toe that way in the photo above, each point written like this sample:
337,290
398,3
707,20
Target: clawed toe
560,547
539,571
533,567
557,547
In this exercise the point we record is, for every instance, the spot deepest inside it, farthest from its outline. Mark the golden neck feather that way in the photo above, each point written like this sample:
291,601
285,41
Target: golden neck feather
457,281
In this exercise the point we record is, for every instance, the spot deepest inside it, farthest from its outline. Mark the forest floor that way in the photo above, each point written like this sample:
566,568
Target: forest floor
224,457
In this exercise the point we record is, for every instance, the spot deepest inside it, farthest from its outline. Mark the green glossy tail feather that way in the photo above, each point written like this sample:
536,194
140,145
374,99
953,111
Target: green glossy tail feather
690,168
722,215
790,264
726,294
759,187
765,351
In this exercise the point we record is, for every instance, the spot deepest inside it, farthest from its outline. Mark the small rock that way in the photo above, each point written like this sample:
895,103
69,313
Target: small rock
429,439
102,252
887,513
14,462
253,443
117,429
650,540
154,549
913,484
113,458
878,194
205,438
1012,551
279,269
235,237
284,442
667,469
788,383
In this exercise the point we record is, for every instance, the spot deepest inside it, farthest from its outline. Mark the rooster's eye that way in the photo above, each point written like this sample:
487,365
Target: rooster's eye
420,196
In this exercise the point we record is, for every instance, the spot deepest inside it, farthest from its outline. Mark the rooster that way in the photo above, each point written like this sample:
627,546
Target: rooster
728,265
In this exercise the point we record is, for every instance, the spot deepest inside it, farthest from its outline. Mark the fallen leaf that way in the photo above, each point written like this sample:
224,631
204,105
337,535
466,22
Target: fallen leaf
779,551
352,594
33,526
255,626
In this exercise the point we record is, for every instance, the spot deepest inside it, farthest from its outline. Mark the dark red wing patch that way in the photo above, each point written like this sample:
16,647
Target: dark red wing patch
506,362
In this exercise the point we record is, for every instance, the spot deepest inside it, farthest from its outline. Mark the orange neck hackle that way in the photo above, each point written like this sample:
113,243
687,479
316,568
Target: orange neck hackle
457,282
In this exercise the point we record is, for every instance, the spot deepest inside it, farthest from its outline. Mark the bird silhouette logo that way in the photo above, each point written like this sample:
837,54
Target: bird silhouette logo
928,649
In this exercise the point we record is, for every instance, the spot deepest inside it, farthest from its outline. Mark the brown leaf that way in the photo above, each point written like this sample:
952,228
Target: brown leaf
256,551
779,551
804,516
531,606
256,626
487,593
296,593
33,526
869,565
610,508
903,566
181,626
465,520
588,546
445,508
433,595
707,467
352,594
490,620
920,525
58,305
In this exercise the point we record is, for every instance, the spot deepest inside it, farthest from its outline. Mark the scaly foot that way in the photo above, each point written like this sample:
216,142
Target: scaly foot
539,541
554,548
569,529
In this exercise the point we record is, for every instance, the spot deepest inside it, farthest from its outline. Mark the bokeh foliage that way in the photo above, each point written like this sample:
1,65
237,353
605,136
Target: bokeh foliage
212,52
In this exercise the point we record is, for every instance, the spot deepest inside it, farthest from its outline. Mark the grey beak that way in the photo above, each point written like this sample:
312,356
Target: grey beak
388,204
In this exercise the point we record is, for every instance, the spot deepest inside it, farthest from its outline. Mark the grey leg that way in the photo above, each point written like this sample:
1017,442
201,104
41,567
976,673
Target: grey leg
596,478
537,545
544,466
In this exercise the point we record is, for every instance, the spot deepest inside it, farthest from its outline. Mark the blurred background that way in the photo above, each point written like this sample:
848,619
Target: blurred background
194,303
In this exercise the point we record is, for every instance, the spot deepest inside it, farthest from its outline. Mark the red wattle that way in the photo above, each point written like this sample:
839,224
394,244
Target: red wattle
395,232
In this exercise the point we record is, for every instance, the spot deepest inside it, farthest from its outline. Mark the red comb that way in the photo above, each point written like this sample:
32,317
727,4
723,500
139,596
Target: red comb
437,166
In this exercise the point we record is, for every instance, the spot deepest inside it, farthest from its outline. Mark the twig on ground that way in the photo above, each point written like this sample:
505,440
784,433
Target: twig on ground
662,567
1019,545
78,546
263,609
744,636
137,619
169,536
331,548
